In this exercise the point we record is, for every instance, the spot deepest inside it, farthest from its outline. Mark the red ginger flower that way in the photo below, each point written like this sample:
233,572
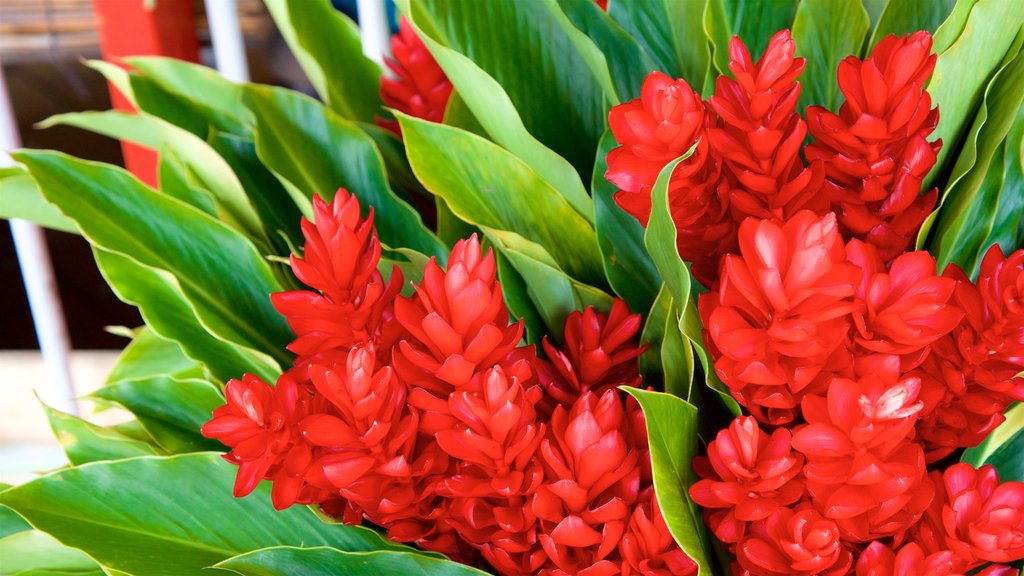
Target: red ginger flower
759,134
879,560
351,301
874,150
260,424
653,130
647,547
794,543
1001,287
457,322
600,352
863,469
778,325
746,476
420,87
975,516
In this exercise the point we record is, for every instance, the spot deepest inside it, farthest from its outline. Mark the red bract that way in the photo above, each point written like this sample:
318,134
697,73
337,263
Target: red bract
874,150
664,123
759,134
600,352
974,516
340,263
419,87
648,549
779,322
747,476
794,543
879,560
1001,287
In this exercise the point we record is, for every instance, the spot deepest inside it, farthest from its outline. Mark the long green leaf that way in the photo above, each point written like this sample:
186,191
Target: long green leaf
10,522
86,442
223,276
217,97
288,561
660,238
901,18
677,361
318,152
150,355
672,432
517,298
953,26
754,21
1008,225
653,335
20,198
327,45
32,552
170,516
825,32
486,185
1002,449
671,32
495,110
963,72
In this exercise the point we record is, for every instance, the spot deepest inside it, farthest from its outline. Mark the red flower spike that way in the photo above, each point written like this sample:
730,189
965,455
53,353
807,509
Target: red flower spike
746,476
340,259
419,87
975,516
779,323
647,547
874,150
457,323
653,130
600,352
759,134
879,560
794,543
1001,285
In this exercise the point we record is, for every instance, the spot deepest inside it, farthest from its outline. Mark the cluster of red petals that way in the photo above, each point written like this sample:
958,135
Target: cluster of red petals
424,415
418,86
875,150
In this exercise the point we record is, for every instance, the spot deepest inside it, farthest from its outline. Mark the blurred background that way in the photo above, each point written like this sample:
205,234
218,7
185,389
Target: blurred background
42,47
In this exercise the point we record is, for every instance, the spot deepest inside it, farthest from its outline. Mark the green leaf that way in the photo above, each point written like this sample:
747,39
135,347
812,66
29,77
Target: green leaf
178,181
171,410
212,263
754,21
327,45
690,326
669,33
953,26
286,561
20,198
628,63
660,237
215,176
179,109
10,522
170,516
318,152
38,553
517,298
486,185
171,316
1003,447
1008,224
554,85
825,32
620,237
86,442
672,432
963,72
495,110
677,361
653,334
901,17
964,208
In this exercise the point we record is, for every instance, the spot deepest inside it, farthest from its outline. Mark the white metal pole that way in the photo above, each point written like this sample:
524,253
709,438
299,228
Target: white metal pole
228,42
373,23
40,285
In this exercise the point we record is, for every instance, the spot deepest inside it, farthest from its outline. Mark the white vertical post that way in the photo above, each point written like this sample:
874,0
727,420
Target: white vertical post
227,39
40,285
373,23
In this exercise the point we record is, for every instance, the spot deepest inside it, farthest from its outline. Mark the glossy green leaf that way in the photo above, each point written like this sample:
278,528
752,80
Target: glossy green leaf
517,298
181,110
825,32
20,198
37,553
901,17
10,522
628,63
620,237
86,442
219,99
754,21
171,316
963,72
690,326
672,433
170,516
215,176
177,180
552,84
1008,224
495,110
677,361
1003,447
318,152
287,561
327,45
953,26
486,185
660,237
212,263
671,33
172,410
392,150
653,334
970,200
150,355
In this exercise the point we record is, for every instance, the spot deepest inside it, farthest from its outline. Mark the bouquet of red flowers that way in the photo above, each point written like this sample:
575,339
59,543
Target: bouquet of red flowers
635,306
